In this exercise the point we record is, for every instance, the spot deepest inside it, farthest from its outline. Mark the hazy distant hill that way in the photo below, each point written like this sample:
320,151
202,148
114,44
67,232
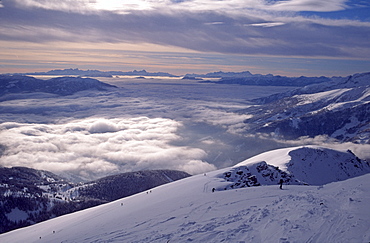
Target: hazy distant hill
59,86
122,185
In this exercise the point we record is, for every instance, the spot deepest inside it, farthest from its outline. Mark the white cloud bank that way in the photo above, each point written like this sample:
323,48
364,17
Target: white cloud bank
95,147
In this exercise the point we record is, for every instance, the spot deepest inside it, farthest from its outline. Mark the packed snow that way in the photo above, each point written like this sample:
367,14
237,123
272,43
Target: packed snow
189,211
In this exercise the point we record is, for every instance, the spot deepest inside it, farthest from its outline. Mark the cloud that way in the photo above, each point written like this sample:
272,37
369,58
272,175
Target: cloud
271,24
65,5
103,126
95,147
309,5
360,150
193,166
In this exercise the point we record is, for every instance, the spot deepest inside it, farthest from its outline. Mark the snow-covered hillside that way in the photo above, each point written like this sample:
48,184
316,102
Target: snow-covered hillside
339,109
187,210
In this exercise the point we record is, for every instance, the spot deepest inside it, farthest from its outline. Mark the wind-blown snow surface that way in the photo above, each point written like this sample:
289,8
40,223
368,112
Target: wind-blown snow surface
187,210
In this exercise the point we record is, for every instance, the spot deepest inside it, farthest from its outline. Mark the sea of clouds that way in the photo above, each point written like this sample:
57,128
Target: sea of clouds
95,147
142,125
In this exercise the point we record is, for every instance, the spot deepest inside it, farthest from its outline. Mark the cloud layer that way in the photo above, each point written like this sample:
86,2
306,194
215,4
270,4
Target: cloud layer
97,147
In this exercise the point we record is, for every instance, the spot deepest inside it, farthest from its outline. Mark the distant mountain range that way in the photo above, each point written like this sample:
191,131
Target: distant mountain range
241,78
66,85
97,73
29,196
246,78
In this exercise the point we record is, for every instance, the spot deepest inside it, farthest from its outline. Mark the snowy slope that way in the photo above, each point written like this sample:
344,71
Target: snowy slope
339,109
187,210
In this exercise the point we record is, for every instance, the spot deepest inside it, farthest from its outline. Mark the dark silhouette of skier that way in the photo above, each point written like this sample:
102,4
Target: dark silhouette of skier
213,189
281,183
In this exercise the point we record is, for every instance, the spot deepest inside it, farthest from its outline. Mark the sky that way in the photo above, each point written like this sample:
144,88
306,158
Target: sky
291,37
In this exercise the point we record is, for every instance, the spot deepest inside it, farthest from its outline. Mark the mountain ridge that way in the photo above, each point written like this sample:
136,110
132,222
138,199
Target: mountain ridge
338,109
98,73
241,78
59,85
247,78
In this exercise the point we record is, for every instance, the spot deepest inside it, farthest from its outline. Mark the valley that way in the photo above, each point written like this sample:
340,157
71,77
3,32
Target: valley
88,131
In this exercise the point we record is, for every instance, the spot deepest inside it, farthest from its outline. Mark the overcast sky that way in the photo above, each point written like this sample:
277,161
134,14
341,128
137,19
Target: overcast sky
291,37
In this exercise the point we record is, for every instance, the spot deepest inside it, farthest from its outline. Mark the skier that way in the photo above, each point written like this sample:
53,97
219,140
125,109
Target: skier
281,183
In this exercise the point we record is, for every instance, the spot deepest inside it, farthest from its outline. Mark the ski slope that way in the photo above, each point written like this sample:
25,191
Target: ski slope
188,211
